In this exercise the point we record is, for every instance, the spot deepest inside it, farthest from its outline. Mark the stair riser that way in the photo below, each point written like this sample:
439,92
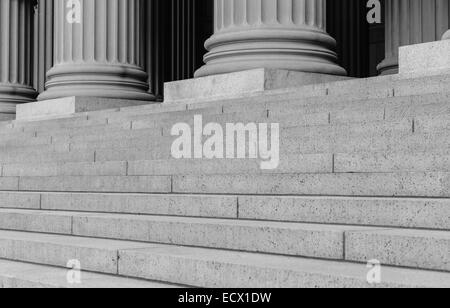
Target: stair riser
404,213
400,250
326,244
372,184
194,206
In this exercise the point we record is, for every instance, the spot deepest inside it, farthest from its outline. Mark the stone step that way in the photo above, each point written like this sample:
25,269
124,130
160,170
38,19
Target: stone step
396,247
21,275
308,240
321,163
126,184
350,90
28,140
419,213
30,156
145,149
289,113
107,133
202,267
363,143
108,168
385,212
226,269
408,248
401,184
391,162
413,184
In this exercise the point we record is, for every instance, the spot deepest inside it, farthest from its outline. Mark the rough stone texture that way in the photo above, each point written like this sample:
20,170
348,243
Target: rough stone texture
241,83
344,184
226,269
24,276
36,221
277,238
407,213
67,106
19,200
409,248
173,205
94,254
155,184
425,59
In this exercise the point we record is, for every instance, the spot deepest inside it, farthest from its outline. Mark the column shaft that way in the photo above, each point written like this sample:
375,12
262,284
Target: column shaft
43,43
16,17
102,55
410,22
280,34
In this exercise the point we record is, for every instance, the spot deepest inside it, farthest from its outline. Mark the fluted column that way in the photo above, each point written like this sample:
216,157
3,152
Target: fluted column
281,34
16,17
411,22
102,55
43,43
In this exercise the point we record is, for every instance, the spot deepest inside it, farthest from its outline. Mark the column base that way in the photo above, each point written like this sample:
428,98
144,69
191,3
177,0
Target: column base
68,106
388,66
114,81
425,59
14,94
242,83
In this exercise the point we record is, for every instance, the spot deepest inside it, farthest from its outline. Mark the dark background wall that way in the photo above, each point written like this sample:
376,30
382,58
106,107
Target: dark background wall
360,45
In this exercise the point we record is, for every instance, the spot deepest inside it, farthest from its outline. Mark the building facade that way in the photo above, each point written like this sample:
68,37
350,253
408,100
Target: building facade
127,49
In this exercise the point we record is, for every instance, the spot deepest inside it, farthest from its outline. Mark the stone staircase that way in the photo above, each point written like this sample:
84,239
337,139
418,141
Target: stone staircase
364,175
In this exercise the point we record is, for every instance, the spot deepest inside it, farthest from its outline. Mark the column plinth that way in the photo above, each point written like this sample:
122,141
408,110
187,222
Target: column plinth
409,22
102,55
16,80
274,34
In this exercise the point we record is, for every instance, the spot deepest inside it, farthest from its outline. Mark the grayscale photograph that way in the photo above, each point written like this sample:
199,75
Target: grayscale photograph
224,152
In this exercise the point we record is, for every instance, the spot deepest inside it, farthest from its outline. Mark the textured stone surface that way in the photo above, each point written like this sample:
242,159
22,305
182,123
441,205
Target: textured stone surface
67,106
176,205
23,275
277,238
344,184
409,248
19,200
408,213
94,254
36,221
425,59
240,83
160,184
226,269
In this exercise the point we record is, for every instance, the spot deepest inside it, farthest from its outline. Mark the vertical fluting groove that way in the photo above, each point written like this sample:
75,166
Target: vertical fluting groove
102,54
16,58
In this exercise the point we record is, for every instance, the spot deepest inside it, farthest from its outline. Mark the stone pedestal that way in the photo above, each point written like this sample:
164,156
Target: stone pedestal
409,22
68,106
16,78
102,55
238,84
272,34
425,59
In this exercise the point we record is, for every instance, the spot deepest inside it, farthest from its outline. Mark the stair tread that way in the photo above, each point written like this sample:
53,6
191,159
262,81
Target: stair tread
15,274
243,263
